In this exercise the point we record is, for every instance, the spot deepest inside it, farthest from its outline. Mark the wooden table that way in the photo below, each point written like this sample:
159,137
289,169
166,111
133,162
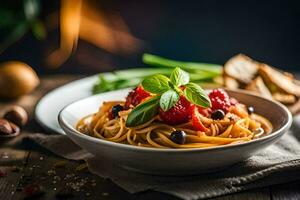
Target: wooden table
26,163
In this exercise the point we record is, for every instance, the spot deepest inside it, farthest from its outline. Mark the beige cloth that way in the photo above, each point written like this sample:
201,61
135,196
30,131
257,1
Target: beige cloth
278,163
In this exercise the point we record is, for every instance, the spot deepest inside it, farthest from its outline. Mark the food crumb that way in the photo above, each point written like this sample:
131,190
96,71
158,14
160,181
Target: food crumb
105,194
51,172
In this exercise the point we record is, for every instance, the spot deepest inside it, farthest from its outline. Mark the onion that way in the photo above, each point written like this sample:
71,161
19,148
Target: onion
16,79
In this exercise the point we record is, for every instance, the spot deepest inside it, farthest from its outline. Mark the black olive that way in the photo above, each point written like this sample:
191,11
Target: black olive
250,110
116,109
178,137
217,114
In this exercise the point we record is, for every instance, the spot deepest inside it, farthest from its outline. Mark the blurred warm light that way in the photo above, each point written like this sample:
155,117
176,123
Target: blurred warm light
80,20
70,15
109,33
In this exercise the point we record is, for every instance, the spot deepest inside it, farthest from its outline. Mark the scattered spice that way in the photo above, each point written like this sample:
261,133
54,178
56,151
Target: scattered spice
72,183
51,172
78,184
69,176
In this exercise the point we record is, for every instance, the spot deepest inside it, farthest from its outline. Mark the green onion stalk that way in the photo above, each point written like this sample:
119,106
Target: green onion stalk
201,73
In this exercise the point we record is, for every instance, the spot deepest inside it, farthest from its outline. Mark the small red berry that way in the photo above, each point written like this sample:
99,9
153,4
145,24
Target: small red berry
178,114
136,96
219,104
221,94
219,100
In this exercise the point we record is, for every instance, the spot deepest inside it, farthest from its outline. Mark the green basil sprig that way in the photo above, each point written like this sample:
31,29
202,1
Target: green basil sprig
167,93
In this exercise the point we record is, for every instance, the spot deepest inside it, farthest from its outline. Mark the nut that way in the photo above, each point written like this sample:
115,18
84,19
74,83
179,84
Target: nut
15,129
5,127
17,115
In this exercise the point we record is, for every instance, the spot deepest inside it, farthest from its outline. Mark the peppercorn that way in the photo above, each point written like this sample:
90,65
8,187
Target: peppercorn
5,127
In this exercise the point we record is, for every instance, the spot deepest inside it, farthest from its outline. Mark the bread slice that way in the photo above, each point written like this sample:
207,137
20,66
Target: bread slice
258,85
284,98
278,82
295,108
231,83
241,68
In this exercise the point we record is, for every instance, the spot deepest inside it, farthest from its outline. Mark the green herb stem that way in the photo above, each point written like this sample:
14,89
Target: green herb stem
158,61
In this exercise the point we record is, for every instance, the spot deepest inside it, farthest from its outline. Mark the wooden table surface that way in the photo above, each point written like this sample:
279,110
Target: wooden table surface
25,163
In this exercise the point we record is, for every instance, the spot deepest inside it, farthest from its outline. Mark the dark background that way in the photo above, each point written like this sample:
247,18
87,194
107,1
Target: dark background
207,31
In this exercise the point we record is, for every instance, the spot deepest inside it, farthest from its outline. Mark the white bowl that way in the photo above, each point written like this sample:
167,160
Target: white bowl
173,161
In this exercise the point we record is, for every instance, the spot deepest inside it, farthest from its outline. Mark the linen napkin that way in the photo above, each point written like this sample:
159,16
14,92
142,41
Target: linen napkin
276,164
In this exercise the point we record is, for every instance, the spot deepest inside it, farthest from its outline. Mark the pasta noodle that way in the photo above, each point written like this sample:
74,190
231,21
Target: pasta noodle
235,127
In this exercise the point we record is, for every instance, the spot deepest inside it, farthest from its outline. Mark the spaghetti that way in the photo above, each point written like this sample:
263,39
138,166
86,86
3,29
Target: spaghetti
237,126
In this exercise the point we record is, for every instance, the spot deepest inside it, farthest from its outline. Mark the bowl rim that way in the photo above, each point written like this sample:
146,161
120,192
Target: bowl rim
69,129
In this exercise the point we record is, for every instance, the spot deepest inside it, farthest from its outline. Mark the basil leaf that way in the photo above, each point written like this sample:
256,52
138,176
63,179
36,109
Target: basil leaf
156,84
168,99
196,95
143,112
179,77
